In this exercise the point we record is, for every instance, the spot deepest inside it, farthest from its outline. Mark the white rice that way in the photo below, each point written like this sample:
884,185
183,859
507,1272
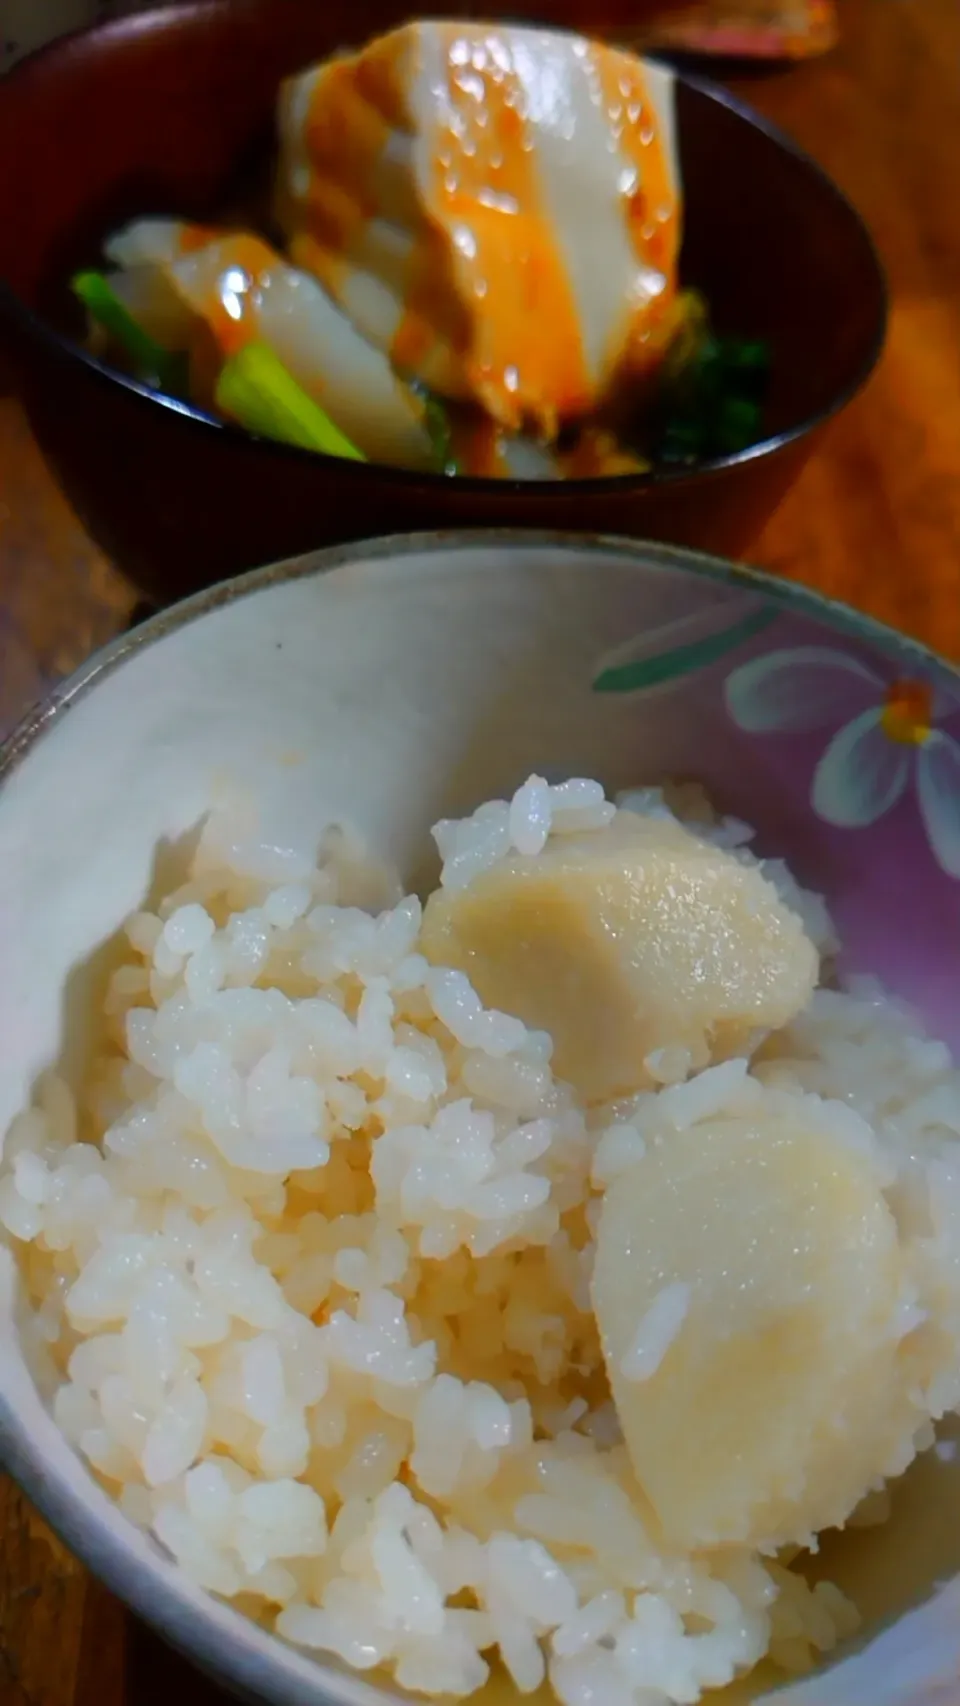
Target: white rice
309,1259
656,1332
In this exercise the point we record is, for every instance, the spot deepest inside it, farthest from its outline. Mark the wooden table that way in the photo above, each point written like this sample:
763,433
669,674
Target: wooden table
874,520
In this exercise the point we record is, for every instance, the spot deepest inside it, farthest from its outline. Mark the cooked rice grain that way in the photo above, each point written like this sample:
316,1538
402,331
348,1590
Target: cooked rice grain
310,1257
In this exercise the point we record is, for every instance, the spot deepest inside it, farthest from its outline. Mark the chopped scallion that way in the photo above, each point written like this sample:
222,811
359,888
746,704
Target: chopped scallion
165,369
258,392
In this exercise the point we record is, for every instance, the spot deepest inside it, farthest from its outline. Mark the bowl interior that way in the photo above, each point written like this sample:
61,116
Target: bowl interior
171,112
388,685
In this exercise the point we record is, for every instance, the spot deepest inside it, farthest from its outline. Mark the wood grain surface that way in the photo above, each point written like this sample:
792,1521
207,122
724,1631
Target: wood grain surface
874,520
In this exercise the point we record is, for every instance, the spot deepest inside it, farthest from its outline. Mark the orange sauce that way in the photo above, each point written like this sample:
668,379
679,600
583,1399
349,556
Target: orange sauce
230,301
383,72
355,104
194,237
225,299
597,455
476,443
433,315
652,200
488,310
478,448
519,339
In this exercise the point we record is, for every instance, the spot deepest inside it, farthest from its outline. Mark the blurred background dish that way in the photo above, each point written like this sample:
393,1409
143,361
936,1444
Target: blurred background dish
745,29
761,28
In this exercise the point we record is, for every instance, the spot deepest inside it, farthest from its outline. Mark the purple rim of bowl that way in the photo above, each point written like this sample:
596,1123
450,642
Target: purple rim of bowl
145,23
186,1626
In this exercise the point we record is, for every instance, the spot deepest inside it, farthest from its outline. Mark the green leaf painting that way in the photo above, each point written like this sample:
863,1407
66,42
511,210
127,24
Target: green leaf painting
685,649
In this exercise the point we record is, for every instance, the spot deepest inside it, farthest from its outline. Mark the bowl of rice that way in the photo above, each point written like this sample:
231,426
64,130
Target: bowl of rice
480,1185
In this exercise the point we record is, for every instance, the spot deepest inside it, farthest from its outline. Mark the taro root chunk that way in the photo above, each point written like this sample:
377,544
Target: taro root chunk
746,1287
624,941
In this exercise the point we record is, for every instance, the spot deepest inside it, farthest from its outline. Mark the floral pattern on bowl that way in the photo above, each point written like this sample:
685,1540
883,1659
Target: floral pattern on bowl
887,738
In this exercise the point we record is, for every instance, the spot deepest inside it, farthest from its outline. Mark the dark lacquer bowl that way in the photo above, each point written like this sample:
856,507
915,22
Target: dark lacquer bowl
161,112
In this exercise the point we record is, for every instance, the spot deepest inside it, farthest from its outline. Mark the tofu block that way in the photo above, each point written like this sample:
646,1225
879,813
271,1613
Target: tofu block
623,941
746,1287
498,209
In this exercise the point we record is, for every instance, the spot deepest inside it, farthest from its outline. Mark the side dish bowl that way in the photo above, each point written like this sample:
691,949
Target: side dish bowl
167,111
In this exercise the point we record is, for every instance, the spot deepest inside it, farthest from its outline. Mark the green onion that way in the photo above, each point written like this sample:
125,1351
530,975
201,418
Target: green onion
163,368
737,424
257,391
713,406
691,337
437,424
747,357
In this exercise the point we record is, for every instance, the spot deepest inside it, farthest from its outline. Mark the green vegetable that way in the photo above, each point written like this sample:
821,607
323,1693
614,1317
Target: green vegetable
693,332
256,390
437,423
165,369
748,358
737,424
713,405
